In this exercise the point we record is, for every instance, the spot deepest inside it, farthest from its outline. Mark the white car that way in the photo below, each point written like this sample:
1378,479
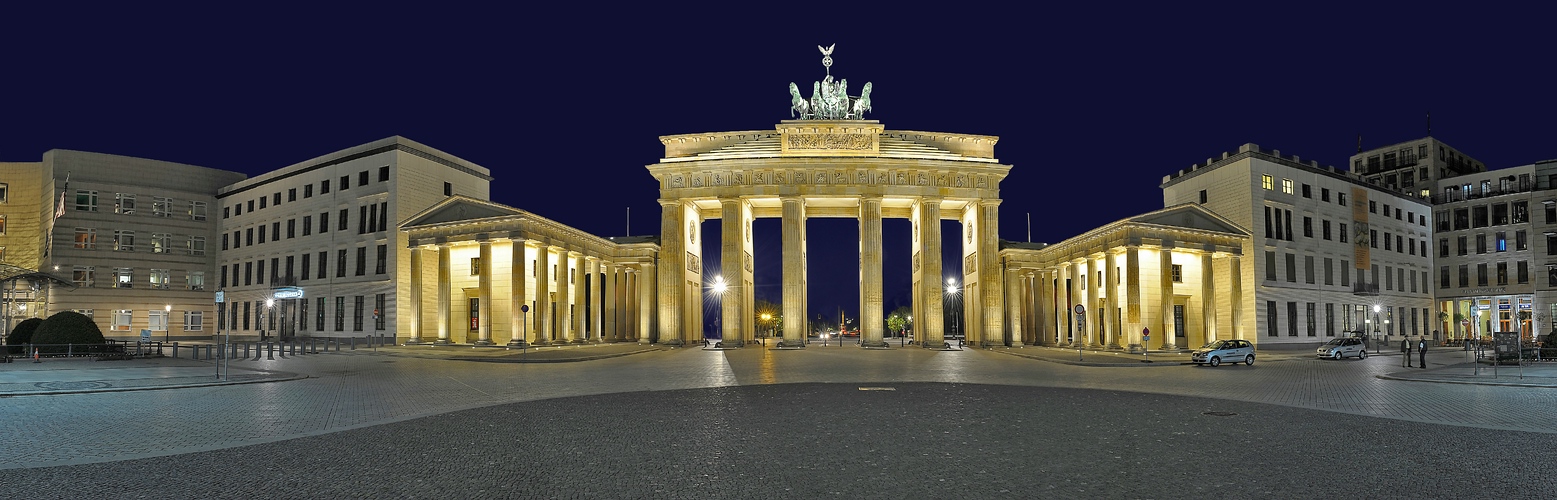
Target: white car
1217,352
1343,347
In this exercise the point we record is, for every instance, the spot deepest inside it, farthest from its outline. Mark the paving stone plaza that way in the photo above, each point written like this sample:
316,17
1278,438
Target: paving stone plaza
628,421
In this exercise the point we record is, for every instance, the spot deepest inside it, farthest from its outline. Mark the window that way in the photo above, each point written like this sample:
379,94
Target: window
275,231
383,258
1443,277
1308,227
124,277
383,173
362,261
226,212
1464,275
248,236
196,245
124,203
322,256
1202,197
1502,242
1499,214
1519,240
1481,243
1340,199
1373,207
82,276
4,192
362,178
345,182
319,314
1502,275
86,201
248,273
1291,268
291,228
161,206
1524,272
259,271
275,199
194,321
121,320
1286,186
1178,272
1521,212
1329,276
1342,233
324,222
324,187
1324,227
262,233
340,263
362,219
1292,328
1312,320
161,242
308,190
1308,269
1308,191
448,189
340,314
291,195
356,312
308,225
262,201
341,224
1324,194
1346,273
1461,247
195,280
157,320
304,273
124,241
159,279
1443,247
1481,274
1373,238
383,216
1270,318
1479,216
2,224
197,210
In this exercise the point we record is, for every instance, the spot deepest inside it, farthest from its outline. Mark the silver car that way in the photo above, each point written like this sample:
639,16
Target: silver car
1343,347
1218,351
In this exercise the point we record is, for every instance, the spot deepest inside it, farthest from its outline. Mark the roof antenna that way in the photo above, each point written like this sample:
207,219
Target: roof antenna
629,221
1359,143
1429,123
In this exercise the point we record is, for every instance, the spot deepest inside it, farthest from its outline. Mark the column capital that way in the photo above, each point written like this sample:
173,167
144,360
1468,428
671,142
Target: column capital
871,197
989,202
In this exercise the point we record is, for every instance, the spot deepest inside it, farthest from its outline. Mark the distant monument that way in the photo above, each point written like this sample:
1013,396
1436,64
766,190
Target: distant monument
830,100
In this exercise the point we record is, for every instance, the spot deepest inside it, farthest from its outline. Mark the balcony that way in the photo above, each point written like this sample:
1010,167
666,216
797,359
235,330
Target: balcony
1361,289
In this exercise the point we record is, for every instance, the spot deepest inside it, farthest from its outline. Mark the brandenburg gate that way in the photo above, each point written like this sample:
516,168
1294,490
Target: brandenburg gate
828,163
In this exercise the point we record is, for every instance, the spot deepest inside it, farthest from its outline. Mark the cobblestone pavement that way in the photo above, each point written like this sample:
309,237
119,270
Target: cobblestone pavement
387,394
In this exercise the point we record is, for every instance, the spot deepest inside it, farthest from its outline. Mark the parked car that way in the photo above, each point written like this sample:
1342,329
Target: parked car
1218,351
1343,347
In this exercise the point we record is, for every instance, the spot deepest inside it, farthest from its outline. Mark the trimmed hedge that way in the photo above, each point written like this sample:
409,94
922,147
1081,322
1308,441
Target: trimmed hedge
67,327
22,334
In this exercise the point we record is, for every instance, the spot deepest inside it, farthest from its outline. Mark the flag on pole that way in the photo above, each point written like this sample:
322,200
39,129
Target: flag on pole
59,210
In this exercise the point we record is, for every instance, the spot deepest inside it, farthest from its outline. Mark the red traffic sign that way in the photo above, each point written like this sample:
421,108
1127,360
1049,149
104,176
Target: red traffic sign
1146,334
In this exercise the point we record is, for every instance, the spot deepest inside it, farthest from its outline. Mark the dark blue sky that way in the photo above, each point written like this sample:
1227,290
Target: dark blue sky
1093,103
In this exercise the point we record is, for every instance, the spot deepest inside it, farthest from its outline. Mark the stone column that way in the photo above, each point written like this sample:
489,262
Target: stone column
732,255
1207,299
673,258
1133,296
543,279
1014,303
1234,275
1043,308
444,280
596,297
991,297
580,306
484,287
933,330
1111,299
564,278
644,281
415,335
1094,326
1069,285
871,297
794,248
612,273
518,271
1166,262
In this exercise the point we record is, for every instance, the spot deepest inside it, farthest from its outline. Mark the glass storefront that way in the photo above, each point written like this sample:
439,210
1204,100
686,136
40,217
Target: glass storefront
1480,317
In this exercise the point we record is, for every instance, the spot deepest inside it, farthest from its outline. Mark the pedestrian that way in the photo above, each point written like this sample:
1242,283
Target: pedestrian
1421,349
1405,351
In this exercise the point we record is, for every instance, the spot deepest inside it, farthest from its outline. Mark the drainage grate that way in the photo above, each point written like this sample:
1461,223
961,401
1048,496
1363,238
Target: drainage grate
878,388
1218,413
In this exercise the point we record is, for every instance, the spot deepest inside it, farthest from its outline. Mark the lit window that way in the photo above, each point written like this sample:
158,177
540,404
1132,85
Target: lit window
196,280
197,210
86,201
121,320
1286,186
86,238
1265,182
161,206
160,242
2,224
4,192
159,279
124,277
124,203
82,276
124,241
1178,273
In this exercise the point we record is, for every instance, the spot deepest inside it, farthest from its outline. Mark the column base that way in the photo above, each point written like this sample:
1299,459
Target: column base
875,344
936,345
1017,343
1115,347
673,342
791,343
540,343
1135,349
1095,346
644,341
519,344
992,343
442,342
482,343
732,343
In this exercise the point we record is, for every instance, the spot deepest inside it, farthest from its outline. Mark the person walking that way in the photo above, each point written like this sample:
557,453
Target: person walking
1421,350
1405,352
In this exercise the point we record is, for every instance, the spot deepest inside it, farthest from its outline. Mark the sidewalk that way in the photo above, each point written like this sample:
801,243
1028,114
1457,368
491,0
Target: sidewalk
81,375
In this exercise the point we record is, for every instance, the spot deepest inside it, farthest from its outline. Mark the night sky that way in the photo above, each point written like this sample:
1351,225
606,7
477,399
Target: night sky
1093,104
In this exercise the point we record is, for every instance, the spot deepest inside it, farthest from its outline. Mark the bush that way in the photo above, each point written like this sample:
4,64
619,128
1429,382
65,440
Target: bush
67,327
22,334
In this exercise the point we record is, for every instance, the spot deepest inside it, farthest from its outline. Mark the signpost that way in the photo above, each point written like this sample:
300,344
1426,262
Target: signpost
1146,347
1081,326
524,328
221,296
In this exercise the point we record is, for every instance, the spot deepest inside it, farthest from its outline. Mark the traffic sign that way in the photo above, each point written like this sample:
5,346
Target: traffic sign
1080,309
1146,334
221,296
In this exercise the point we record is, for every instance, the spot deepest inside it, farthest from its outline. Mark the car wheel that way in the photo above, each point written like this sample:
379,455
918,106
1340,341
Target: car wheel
1362,354
1336,355
1215,360
1248,360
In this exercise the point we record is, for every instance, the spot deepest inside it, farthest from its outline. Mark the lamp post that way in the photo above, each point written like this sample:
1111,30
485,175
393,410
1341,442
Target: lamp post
951,294
719,287
767,321
269,303
167,310
1376,333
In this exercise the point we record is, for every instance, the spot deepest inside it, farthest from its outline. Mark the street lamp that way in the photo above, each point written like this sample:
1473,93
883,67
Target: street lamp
951,293
767,321
167,310
719,287
1376,334
269,303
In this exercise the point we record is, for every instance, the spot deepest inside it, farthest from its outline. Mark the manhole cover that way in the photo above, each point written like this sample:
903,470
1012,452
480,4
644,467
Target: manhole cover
66,386
1219,413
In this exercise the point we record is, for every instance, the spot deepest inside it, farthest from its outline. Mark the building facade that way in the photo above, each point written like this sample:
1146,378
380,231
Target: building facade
1413,167
326,231
1330,254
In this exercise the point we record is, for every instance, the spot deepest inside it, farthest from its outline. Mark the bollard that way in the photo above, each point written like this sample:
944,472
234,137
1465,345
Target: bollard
353,343
293,344
175,350
270,351
245,350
